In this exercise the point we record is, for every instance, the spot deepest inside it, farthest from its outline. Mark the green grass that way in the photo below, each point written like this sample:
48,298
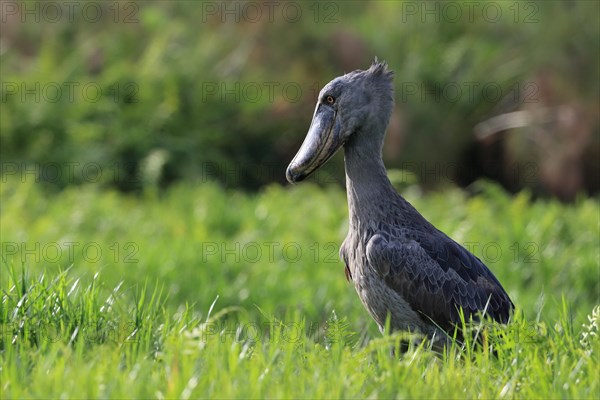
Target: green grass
198,292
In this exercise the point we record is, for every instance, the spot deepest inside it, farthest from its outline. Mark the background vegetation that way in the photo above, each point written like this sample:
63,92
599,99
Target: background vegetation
136,263
167,90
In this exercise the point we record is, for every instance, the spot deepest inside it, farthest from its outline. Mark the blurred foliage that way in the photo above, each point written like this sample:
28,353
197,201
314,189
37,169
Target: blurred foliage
192,90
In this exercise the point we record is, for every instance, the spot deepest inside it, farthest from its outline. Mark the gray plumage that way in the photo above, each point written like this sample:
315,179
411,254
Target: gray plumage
400,264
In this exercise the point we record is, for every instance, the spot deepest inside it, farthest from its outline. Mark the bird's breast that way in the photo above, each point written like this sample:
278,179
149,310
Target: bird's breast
375,294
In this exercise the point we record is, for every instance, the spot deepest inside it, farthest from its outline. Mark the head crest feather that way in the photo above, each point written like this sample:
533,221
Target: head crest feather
379,68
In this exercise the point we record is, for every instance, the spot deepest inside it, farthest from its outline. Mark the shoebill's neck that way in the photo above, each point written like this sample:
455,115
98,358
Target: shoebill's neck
368,188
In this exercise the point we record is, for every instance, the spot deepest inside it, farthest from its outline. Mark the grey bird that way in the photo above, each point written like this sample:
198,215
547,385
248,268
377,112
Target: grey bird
403,268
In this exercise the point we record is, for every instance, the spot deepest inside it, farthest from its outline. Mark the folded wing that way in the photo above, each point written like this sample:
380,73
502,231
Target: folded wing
437,277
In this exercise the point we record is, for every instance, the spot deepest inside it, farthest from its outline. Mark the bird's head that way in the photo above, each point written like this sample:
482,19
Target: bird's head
358,103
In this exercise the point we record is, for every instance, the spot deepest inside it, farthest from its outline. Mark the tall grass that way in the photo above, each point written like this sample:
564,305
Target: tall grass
179,304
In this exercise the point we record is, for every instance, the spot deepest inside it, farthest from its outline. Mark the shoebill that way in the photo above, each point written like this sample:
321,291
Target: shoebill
403,268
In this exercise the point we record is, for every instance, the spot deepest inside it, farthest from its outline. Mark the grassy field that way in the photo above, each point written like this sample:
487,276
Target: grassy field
200,292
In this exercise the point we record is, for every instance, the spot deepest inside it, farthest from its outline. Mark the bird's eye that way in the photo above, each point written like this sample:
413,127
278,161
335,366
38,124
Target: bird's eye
330,99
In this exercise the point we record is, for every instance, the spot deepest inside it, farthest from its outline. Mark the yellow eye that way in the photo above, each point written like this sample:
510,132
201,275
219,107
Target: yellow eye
330,99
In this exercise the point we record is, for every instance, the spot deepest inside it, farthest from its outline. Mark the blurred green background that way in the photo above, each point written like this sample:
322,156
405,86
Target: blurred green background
143,94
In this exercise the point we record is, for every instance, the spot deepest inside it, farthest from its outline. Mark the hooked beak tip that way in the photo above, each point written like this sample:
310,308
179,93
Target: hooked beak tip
292,176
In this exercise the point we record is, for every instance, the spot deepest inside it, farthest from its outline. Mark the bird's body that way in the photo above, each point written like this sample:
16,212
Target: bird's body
402,267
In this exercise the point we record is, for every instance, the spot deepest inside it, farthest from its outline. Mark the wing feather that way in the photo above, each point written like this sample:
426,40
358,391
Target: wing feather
437,277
